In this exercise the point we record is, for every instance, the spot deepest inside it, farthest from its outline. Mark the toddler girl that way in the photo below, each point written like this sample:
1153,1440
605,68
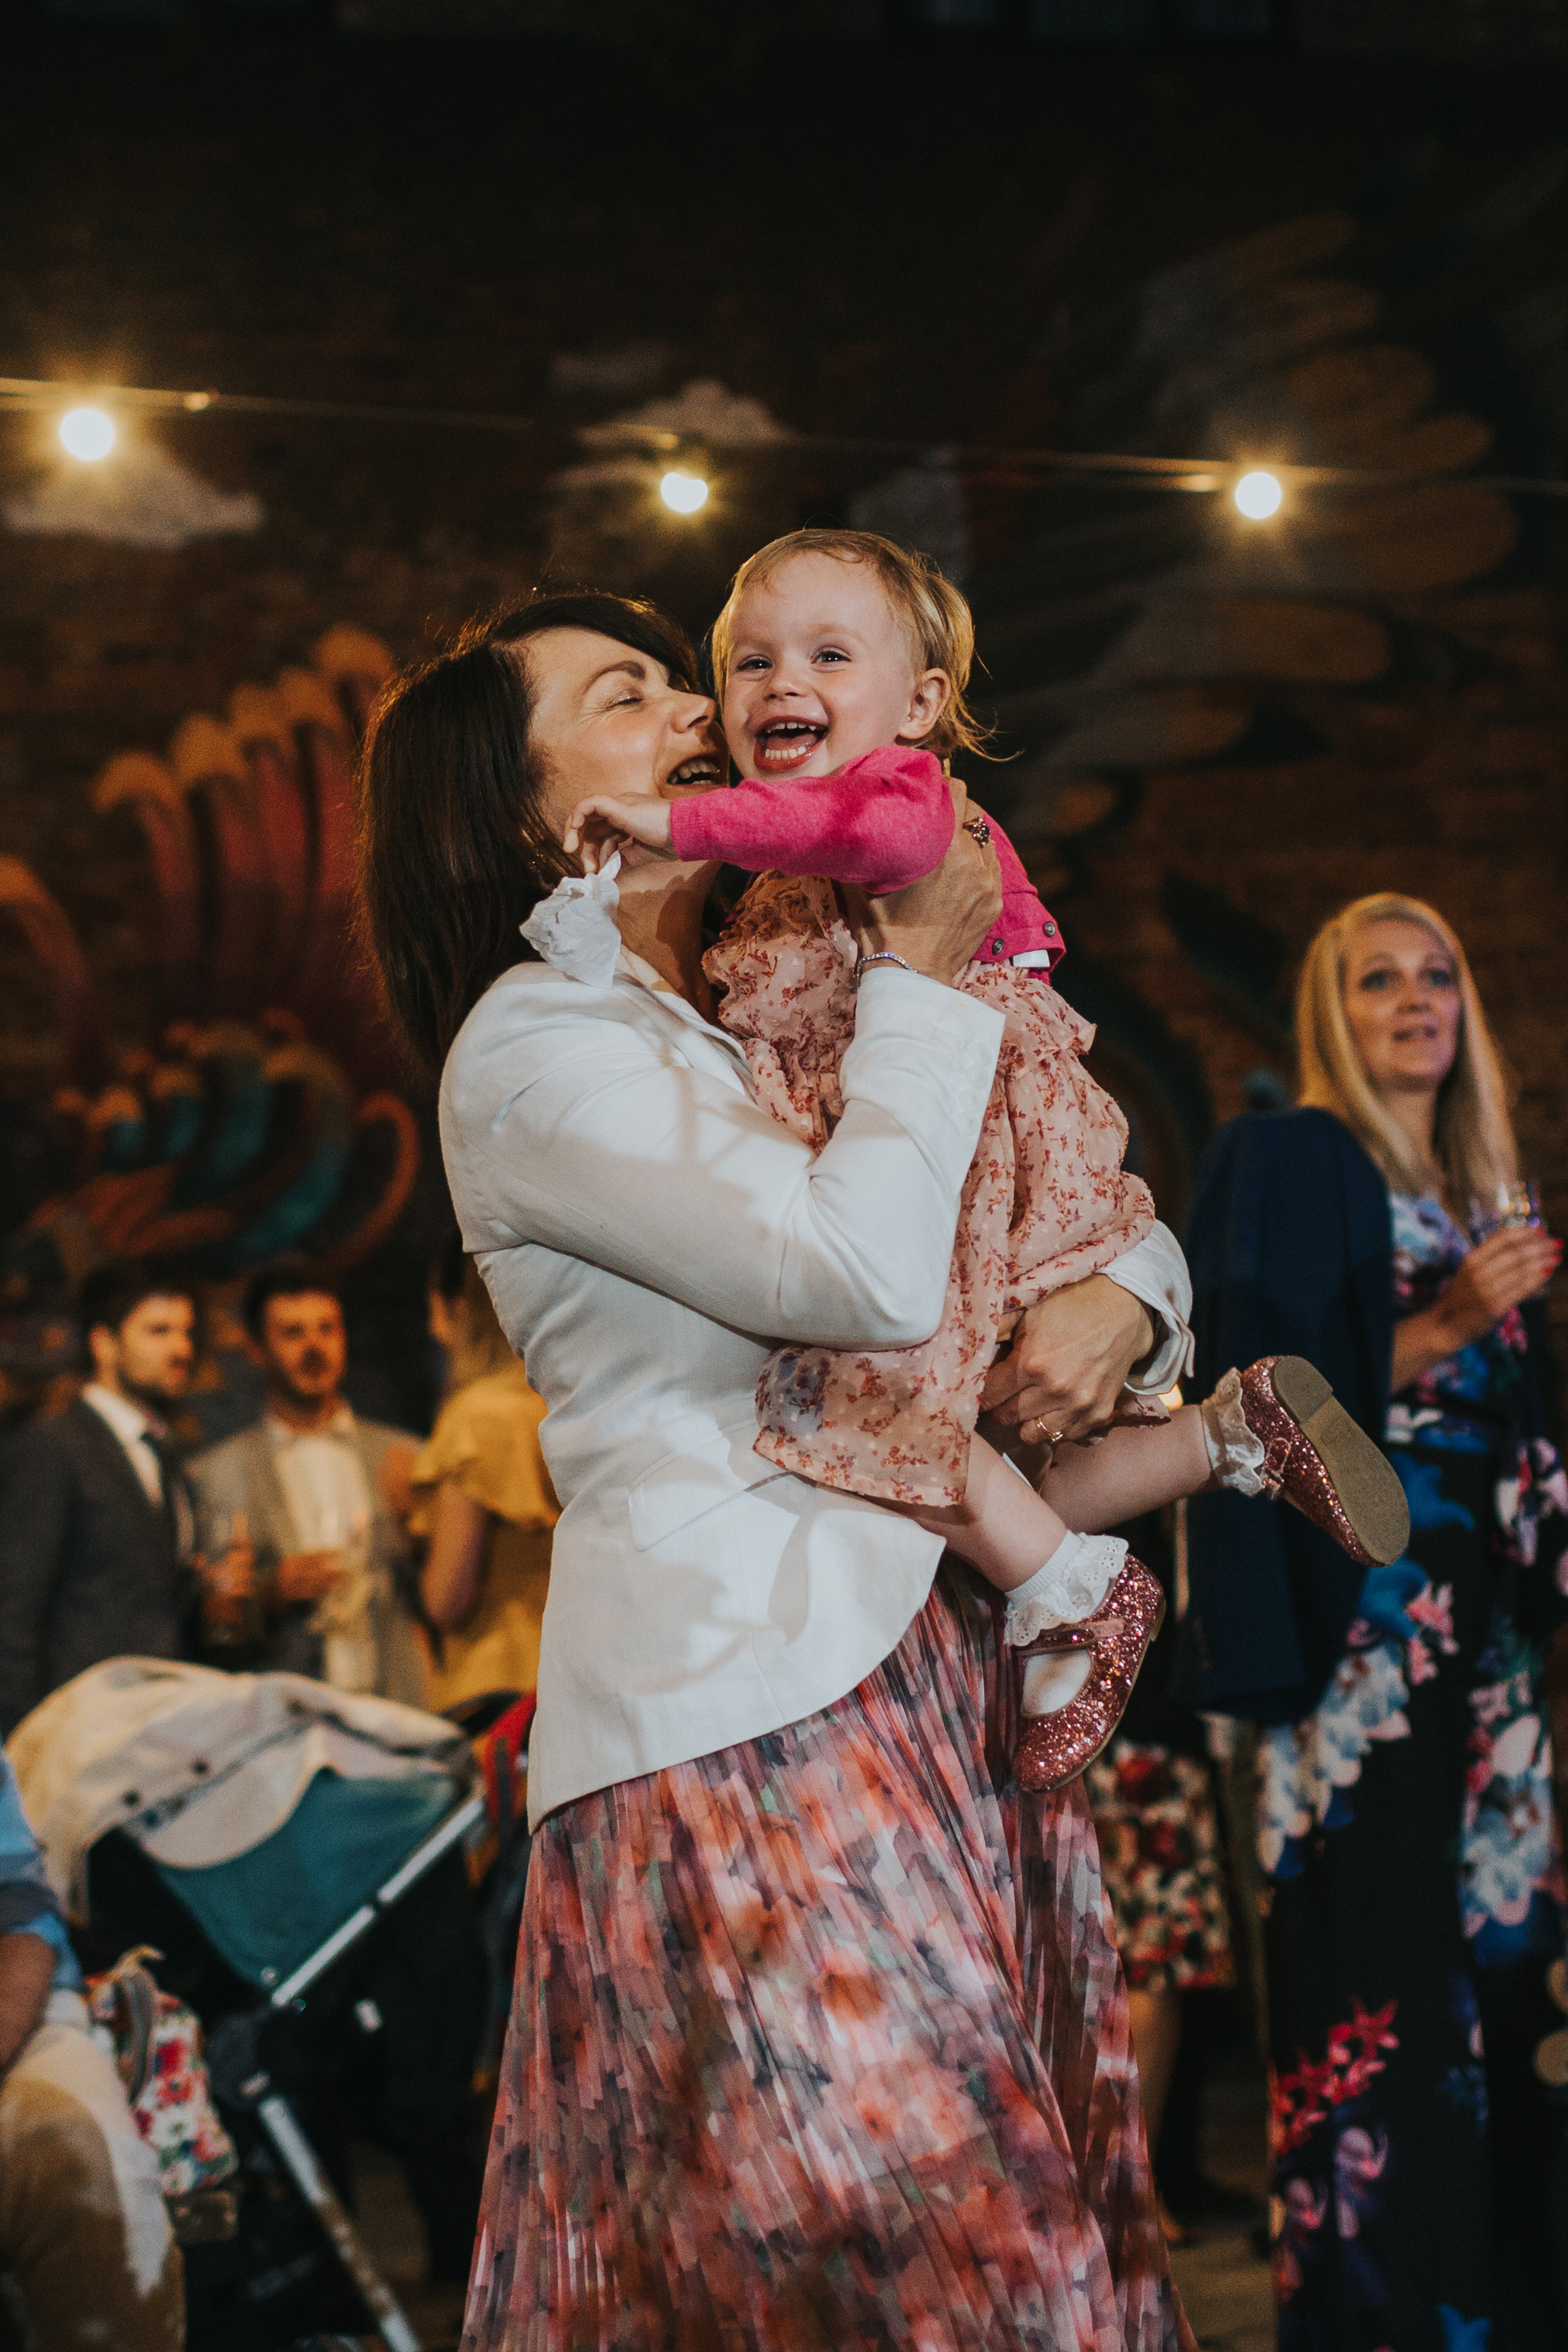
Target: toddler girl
837,655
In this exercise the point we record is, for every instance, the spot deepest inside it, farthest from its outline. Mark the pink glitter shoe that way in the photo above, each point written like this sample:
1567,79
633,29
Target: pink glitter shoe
1318,1458
1055,1749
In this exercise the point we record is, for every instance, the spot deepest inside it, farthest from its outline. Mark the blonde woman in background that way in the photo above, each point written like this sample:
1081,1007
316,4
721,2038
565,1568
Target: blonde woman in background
482,1501
1412,1891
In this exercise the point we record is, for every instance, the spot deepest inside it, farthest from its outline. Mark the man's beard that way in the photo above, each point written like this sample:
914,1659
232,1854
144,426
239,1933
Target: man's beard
157,1400
312,1368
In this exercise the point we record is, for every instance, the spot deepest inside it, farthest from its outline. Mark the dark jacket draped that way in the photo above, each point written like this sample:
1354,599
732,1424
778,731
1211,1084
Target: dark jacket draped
1292,1250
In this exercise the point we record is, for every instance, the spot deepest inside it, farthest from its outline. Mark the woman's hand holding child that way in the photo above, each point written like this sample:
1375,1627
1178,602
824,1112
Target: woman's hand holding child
939,924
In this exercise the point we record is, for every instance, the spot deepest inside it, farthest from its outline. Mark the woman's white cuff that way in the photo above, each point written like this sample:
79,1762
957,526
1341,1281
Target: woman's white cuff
574,929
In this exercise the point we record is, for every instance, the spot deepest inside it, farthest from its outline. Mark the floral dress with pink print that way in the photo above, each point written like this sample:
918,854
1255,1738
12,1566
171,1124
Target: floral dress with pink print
1046,1200
1415,1890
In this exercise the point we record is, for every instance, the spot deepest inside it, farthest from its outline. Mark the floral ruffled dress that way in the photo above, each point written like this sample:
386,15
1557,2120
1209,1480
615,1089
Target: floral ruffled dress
1046,1200
1416,1894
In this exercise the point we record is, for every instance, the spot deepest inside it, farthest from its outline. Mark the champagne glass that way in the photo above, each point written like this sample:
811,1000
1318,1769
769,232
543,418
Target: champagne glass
239,1626
1509,1208
1505,1208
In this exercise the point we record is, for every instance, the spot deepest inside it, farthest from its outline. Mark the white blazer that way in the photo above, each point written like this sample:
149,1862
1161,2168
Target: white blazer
648,1232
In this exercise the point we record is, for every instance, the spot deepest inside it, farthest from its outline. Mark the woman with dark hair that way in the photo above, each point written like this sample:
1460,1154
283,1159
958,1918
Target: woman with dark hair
1412,1871
820,2038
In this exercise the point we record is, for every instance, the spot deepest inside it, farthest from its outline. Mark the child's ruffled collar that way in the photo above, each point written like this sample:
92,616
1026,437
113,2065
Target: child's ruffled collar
574,929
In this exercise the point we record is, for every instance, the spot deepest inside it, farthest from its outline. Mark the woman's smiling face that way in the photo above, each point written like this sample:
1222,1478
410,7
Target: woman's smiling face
1402,1001
606,718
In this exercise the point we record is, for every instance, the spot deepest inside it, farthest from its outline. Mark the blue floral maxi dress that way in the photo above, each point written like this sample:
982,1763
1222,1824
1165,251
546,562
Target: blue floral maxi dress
1414,1892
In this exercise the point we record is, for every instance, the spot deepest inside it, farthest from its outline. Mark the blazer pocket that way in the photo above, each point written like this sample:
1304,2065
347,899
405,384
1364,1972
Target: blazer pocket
685,1487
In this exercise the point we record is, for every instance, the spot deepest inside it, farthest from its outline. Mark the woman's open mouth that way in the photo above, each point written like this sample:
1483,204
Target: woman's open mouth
786,744
702,770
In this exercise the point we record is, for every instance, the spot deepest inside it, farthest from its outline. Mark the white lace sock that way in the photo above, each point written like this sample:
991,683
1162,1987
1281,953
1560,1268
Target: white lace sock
1069,1588
1235,1456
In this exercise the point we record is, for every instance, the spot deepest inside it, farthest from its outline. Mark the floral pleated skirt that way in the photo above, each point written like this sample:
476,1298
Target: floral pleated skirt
821,2042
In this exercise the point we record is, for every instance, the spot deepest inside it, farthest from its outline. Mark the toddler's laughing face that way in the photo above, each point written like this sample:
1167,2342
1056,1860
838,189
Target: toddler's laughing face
821,671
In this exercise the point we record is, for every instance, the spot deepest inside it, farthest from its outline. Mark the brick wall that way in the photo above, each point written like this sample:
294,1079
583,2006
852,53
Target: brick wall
1475,28
1460,799
440,226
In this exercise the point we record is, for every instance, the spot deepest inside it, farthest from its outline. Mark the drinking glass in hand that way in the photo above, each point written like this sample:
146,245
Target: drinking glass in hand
1505,1208
231,1612
1508,1209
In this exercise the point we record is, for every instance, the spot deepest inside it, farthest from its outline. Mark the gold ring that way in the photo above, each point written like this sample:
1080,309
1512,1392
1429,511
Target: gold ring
1044,1436
978,830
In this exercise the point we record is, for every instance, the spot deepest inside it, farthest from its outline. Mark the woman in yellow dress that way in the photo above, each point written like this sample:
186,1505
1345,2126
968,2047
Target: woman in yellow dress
482,1502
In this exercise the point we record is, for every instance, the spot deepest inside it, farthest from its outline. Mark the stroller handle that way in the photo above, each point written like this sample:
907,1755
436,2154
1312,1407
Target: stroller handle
423,1856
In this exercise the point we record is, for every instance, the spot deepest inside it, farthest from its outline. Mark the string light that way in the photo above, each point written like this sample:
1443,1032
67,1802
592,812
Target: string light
1259,495
88,433
683,493
997,463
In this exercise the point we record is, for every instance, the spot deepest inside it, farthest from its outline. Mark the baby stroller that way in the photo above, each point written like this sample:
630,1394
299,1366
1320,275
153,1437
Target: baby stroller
297,1855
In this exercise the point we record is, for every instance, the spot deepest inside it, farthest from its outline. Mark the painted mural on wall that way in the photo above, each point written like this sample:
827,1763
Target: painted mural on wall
264,1110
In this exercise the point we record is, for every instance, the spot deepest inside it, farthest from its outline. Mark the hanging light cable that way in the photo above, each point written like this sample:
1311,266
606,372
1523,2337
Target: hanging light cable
1135,468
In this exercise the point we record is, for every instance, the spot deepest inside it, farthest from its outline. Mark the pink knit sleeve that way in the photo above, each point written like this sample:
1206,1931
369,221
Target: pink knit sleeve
881,822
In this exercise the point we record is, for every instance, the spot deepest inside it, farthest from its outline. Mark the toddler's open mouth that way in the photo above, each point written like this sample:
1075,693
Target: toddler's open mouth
786,744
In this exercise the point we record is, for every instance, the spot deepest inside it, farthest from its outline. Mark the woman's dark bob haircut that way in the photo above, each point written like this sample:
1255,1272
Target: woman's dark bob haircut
454,852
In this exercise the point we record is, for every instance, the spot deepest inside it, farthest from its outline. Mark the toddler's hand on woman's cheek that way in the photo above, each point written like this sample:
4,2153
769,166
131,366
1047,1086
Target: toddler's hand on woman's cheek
601,824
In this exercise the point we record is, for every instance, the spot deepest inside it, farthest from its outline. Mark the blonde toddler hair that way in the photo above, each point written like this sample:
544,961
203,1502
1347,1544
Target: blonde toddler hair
934,617
1474,1139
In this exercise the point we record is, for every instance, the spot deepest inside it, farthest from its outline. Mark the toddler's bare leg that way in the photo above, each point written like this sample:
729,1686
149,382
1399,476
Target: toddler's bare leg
1054,1575
1008,1531
1130,1470
1049,1552
1003,1527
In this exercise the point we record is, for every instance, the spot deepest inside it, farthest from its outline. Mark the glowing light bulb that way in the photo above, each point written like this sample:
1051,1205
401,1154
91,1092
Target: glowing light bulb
1258,495
88,433
683,493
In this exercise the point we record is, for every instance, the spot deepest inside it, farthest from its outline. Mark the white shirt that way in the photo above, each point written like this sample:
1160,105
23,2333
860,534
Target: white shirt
328,1500
648,1233
323,1479
132,1427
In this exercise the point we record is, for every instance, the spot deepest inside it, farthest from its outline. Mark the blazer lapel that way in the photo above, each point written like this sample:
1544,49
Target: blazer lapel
273,1525
721,1048
98,1436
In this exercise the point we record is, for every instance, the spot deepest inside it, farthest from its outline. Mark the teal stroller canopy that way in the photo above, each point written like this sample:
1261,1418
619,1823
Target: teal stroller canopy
269,1909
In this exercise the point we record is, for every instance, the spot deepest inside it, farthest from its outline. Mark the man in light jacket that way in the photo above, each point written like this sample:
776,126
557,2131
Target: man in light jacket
301,1498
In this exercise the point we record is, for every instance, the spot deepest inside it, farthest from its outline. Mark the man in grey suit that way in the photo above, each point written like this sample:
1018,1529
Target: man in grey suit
315,1576
95,1524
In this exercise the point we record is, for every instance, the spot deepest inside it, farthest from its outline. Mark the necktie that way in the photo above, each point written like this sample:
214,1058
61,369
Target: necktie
168,1458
